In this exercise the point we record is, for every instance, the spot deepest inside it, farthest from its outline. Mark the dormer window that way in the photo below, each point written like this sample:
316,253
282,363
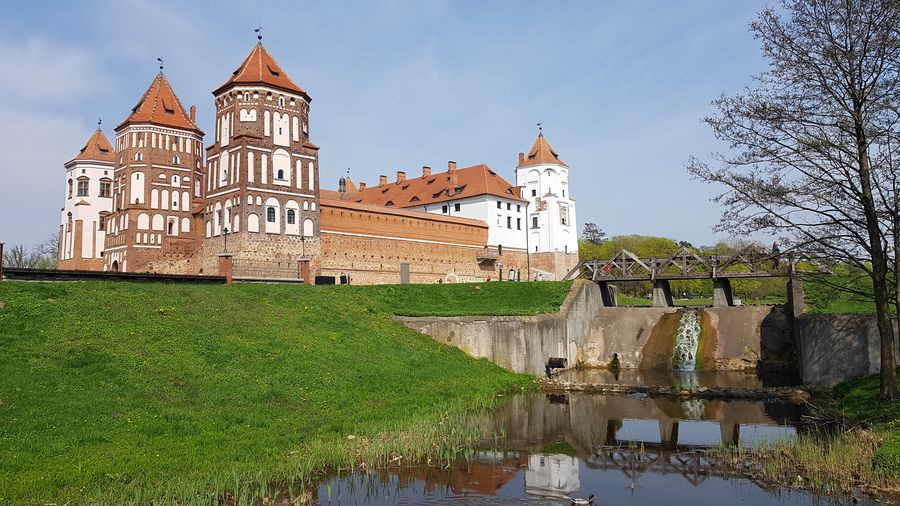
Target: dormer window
167,107
273,71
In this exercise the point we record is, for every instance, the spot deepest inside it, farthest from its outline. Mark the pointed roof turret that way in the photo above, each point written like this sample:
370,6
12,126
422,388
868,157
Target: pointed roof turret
160,106
259,68
541,154
97,148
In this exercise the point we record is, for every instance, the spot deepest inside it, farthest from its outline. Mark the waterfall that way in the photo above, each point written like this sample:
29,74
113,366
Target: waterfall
687,338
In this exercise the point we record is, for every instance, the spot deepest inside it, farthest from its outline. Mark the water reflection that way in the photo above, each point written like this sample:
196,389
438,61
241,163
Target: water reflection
623,449
685,379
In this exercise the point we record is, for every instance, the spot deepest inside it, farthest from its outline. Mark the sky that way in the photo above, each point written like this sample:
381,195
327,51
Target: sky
621,89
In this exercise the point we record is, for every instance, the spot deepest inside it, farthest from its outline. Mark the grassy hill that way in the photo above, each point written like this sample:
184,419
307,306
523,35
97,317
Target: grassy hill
113,392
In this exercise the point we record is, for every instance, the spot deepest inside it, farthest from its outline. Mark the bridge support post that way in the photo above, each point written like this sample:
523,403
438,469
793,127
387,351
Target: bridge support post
722,296
608,294
662,293
668,434
731,433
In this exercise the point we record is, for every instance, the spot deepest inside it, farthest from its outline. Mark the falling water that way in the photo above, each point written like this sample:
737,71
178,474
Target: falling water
684,357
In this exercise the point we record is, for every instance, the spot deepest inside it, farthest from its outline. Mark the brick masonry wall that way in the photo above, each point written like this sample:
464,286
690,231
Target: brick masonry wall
556,264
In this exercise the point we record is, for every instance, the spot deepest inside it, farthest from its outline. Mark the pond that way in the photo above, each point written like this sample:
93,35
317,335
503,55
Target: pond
631,449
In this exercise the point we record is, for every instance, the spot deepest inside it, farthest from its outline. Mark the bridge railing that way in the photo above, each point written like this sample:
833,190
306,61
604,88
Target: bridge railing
686,264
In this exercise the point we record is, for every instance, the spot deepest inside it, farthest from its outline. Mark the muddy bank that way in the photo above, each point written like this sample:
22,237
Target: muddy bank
791,394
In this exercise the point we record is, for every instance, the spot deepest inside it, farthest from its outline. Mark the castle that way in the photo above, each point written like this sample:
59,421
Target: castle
155,202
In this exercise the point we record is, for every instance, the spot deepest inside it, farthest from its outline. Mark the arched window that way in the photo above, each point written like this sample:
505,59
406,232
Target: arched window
171,227
281,101
280,173
70,188
246,96
499,249
270,214
138,156
291,217
176,159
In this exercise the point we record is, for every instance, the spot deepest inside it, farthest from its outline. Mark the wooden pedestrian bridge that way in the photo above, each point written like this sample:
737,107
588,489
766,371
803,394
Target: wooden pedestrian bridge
751,262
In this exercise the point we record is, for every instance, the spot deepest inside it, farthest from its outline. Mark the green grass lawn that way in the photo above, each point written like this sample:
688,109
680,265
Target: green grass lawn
860,402
114,392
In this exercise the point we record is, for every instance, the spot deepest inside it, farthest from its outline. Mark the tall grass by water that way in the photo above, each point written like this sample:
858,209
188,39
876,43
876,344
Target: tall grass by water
133,393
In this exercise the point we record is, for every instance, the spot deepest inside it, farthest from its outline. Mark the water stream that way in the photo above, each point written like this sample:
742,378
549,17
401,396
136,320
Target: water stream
547,449
687,339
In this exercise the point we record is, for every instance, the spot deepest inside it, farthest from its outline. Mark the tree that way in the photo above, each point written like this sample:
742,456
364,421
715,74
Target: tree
814,140
42,255
593,233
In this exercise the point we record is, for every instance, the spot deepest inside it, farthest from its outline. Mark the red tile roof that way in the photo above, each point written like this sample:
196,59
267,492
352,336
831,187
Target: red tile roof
416,191
97,148
541,154
260,68
160,106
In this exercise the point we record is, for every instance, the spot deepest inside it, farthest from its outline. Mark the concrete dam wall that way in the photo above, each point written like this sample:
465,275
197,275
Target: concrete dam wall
586,333
819,349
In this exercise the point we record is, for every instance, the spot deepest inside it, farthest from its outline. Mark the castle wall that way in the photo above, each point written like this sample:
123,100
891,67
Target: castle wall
369,243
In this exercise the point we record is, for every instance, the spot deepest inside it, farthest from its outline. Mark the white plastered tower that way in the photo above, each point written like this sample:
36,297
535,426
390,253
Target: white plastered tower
552,230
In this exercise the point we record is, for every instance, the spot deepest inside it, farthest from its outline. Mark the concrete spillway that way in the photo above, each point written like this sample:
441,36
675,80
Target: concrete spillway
687,339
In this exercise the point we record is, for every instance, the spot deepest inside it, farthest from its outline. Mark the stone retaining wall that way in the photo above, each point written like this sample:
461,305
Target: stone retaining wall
519,343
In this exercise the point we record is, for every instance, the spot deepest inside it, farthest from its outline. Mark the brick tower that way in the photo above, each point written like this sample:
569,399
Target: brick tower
82,229
157,186
262,191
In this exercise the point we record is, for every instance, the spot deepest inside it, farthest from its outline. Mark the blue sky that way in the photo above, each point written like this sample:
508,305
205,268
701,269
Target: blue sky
621,88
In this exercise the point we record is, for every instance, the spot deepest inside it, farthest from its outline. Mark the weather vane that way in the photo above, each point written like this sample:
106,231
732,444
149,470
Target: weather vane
540,127
258,33
160,60
99,122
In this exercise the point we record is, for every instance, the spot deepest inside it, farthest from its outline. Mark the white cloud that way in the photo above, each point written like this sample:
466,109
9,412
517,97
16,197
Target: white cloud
35,146
41,72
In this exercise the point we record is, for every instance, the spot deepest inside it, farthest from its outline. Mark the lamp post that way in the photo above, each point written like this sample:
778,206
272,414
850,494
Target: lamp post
225,236
1,260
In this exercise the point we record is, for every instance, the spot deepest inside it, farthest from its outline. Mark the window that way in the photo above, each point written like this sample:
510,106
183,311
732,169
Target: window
101,225
534,193
499,205
70,188
508,222
291,217
246,96
518,208
444,209
281,101
518,223
270,215
500,249
456,207
534,222
176,159
281,174
508,206
138,156
171,227
564,193
82,188
106,189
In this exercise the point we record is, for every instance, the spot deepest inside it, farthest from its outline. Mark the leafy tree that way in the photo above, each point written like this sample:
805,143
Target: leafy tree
593,233
814,142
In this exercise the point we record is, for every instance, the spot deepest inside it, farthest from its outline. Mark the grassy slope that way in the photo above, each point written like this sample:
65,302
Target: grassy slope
861,402
140,389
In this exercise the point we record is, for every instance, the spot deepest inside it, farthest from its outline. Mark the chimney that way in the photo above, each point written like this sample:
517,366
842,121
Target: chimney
521,158
382,180
362,186
426,171
451,169
194,114
401,176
